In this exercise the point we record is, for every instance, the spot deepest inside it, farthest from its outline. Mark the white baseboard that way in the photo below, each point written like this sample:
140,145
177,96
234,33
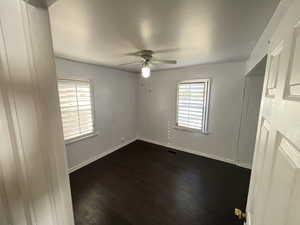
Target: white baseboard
210,156
115,148
99,156
244,165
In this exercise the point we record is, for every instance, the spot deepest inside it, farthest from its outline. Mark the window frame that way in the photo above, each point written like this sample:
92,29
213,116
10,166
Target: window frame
88,135
204,129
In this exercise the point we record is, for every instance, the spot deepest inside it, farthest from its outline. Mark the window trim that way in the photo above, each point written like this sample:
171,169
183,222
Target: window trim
204,129
94,132
81,137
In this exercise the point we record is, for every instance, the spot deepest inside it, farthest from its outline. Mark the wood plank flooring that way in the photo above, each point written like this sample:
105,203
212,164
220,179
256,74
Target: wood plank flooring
147,184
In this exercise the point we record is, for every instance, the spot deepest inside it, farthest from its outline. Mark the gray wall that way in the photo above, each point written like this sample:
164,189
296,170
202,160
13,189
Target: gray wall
115,108
127,106
156,110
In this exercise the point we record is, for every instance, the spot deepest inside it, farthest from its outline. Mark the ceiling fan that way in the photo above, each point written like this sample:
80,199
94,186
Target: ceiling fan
147,60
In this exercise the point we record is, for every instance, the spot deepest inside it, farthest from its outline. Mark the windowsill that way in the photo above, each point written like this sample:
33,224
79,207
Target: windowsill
190,130
80,138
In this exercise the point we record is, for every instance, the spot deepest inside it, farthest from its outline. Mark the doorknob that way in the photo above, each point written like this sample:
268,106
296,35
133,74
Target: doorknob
240,214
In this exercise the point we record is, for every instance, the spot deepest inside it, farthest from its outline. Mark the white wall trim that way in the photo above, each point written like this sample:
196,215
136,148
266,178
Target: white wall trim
244,165
100,155
210,156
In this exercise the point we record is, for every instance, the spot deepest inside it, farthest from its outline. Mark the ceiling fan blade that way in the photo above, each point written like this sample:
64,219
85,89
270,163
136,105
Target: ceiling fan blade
141,53
131,63
133,54
166,50
162,61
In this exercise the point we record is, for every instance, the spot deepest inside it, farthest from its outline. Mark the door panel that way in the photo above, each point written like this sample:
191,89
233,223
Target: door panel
274,195
293,87
274,59
263,169
10,179
284,179
34,184
259,162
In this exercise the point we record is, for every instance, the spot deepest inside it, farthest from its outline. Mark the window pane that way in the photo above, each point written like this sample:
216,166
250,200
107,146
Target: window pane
76,108
191,104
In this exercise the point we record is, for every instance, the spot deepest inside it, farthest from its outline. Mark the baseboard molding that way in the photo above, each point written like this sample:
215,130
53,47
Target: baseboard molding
117,147
244,165
210,156
99,156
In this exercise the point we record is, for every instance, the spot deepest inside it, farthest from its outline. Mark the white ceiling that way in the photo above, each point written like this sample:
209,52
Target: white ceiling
190,31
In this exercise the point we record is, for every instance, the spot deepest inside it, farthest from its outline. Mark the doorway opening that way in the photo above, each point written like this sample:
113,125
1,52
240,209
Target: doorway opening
252,95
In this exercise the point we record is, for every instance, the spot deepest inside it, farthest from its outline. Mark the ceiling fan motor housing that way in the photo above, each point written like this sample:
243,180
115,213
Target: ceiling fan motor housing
146,55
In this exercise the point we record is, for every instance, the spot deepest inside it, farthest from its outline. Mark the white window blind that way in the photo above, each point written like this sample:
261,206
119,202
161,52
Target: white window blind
76,108
192,104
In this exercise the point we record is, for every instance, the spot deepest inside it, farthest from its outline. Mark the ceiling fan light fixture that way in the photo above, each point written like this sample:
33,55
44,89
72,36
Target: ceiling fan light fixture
146,71
147,60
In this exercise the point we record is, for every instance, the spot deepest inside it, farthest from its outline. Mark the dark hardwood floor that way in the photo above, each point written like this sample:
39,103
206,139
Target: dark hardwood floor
146,184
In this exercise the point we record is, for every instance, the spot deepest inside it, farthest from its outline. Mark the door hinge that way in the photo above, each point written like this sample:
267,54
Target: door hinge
240,214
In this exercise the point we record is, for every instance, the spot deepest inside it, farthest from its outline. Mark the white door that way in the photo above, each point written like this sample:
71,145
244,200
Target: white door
274,195
34,185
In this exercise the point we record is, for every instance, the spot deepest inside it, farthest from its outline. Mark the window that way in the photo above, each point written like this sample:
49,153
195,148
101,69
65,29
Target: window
76,108
192,104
